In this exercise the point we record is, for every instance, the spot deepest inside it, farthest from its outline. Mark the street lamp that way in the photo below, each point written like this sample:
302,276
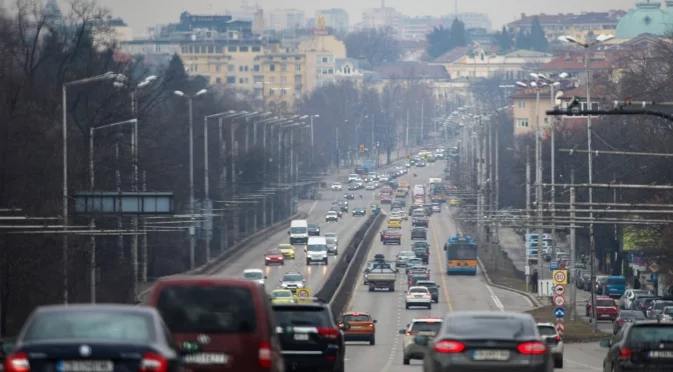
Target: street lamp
192,237
599,40
64,108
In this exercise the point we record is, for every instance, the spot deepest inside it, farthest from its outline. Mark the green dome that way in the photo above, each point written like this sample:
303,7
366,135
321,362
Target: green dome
647,18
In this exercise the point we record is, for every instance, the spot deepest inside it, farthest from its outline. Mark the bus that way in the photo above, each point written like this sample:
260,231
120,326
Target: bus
461,255
364,169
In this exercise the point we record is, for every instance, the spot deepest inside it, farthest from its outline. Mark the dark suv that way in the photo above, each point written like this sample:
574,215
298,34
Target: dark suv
420,221
419,233
309,336
640,346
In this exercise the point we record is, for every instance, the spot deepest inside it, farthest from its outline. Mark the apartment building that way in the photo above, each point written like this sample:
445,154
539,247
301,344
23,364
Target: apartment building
336,19
377,18
279,80
284,19
583,26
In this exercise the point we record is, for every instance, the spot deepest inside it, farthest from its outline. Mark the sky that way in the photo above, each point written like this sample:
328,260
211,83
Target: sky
140,14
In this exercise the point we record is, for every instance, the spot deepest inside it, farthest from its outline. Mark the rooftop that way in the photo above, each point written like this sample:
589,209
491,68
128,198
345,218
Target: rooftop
572,62
413,70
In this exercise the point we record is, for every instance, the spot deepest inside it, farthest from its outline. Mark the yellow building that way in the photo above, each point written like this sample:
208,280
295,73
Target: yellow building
280,80
322,51
482,63
524,110
583,27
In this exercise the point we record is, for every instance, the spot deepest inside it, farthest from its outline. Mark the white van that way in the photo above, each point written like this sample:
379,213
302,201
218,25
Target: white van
316,250
298,231
354,177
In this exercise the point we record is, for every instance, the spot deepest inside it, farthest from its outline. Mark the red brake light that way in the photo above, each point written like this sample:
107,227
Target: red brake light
446,347
410,333
625,353
264,354
17,362
622,321
558,338
532,348
356,314
329,333
154,363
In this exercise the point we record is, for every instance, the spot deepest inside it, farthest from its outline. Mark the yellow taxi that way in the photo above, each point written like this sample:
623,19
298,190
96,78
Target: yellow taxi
454,202
282,296
394,223
287,250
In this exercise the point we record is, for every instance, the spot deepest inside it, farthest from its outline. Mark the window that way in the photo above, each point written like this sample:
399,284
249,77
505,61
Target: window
272,79
297,67
218,80
283,67
283,79
259,79
211,309
218,49
255,68
258,92
283,92
522,104
91,325
272,67
231,68
356,318
231,79
246,69
240,68
243,49
211,49
594,106
324,59
302,315
185,49
240,81
231,49
297,92
271,92
217,67
522,123
426,326
256,49
330,71
297,80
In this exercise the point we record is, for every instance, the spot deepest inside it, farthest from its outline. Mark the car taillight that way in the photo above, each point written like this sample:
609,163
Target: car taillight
448,347
385,237
17,362
625,353
328,333
557,338
532,348
153,363
411,333
622,321
264,354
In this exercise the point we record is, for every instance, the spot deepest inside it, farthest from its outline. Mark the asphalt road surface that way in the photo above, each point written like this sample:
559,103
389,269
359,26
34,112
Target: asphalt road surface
457,293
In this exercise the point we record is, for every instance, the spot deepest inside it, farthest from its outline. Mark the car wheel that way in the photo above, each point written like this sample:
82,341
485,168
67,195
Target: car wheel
430,306
405,361
308,262
326,262
406,306
558,363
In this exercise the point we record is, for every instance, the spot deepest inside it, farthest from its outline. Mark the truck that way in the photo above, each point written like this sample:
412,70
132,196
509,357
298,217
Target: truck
381,274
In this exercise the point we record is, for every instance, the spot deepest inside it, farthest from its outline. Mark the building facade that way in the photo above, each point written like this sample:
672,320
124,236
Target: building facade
285,19
280,80
583,27
378,18
336,19
483,63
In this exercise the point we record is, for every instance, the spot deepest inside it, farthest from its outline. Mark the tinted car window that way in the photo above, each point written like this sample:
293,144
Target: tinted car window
419,290
86,325
312,226
426,326
605,303
420,244
274,252
631,314
651,333
490,327
292,277
356,318
546,331
662,305
216,309
253,275
617,281
427,284
331,240
301,316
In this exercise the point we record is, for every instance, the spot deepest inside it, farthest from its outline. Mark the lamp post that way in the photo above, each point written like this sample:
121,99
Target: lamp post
599,40
64,108
92,221
192,237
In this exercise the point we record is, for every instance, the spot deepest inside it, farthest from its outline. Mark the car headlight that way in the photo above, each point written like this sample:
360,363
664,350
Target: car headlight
283,285
267,258
300,285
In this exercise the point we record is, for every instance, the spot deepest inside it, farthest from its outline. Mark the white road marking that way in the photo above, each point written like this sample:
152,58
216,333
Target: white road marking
583,365
312,207
495,299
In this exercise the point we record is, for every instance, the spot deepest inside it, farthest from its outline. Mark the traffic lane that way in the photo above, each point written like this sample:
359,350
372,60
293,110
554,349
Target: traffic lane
583,357
582,298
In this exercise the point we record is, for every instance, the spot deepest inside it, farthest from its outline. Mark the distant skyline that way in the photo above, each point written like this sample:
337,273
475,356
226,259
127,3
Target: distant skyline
146,13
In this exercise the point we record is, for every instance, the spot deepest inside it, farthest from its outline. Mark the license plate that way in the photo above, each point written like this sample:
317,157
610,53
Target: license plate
418,296
206,358
301,337
355,327
661,354
499,355
85,366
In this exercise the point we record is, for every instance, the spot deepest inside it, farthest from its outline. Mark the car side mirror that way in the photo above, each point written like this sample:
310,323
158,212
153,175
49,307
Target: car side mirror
606,343
374,320
445,246
266,277
421,340
303,280
403,331
439,286
288,233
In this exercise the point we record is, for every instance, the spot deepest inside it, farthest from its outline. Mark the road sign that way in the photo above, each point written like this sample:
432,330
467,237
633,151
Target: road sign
545,288
654,268
560,328
560,277
553,265
559,312
559,289
362,148
304,295
559,300
559,320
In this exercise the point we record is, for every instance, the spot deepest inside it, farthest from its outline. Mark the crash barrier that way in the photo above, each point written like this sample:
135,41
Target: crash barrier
339,286
218,263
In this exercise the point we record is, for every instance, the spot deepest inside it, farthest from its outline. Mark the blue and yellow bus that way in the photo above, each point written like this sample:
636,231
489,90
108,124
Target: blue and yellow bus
461,255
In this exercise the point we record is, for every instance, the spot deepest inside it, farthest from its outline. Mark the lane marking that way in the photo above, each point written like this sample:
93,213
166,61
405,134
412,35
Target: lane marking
442,270
312,207
495,299
583,365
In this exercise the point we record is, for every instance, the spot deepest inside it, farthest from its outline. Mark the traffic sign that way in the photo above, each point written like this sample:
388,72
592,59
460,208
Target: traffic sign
560,277
560,328
362,148
559,289
654,268
559,300
559,312
553,265
304,295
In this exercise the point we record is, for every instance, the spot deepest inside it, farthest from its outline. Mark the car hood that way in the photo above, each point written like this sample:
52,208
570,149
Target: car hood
293,283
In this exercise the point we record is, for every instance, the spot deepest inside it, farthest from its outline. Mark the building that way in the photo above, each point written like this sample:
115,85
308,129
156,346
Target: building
154,52
574,65
285,19
646,18
378,18
279,80
583,27
413,72
322,50
246,12
194,26
335,19
484,63
110,33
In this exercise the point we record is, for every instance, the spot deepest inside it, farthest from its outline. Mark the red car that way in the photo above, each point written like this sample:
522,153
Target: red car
606,308
274,256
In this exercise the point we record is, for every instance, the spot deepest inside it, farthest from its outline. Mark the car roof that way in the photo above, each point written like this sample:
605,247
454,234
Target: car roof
97,307
253,271
428,319
356,313
292,272
417,287
202,279
546,325
457,315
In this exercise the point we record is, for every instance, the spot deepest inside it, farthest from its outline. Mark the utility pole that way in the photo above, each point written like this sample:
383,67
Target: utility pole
573,288
407,134
538,180
527,268
422,121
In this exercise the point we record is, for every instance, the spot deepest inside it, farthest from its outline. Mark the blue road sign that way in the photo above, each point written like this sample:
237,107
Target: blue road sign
559,312
553,265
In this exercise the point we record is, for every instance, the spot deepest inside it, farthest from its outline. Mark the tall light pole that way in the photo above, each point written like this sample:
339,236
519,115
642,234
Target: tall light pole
64,108
599,40
192,237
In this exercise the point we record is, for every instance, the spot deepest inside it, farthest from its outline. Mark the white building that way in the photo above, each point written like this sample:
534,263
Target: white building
378,18
285,19
246,12
416,28
336,19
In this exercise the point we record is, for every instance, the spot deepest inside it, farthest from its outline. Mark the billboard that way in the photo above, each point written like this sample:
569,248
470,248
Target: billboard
635,239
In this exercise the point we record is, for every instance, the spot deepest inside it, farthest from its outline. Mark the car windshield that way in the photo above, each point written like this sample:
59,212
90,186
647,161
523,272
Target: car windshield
627,314
121,326
312,226
336,184
661,305
281,294
207,309
271,252
418,290
420,244
668,310
426,326
330,235
407,254
301,316
292,277
253,275
297,230
316,248
546,330
427,284
617,281
356,318
490,327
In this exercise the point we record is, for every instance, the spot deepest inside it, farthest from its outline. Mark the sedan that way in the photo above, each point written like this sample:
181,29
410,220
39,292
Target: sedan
626,317
274,256
349,196
79,337
313,229
391,237
403,257
359,212
419,221
337,210
419,233
332,216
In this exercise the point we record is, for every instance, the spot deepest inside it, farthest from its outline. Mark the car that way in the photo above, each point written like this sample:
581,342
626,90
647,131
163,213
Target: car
274,256
392,237
282,296
404,215
359,212
432,287
256,275
420,164
404,256
640,346
292,280
394,223
349,196
513,343
353,186
313,229
336,186
606,308
370,186
419,233
436,208
192,305
332,216
454,201
383,232
338,211
420,221
288,250
309,336
316,250
361,327
554,342
657,307
332,246
640,298
344,206
415,278
414,262
422,250
626,316
332,235
417,270
354,177
629,295
418,297
79,337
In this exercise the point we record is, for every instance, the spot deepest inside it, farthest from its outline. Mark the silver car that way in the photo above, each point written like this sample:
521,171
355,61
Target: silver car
554,342
332,247
404,256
